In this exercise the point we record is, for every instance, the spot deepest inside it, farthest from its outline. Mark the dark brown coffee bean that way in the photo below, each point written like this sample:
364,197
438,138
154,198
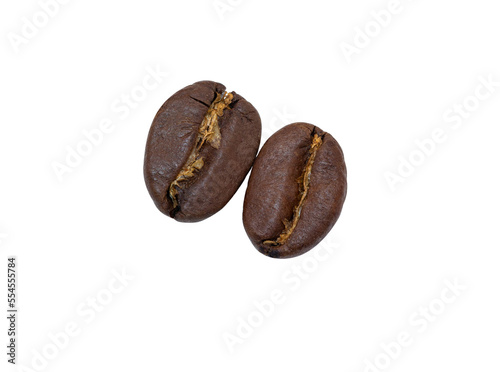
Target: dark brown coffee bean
202,143
296,191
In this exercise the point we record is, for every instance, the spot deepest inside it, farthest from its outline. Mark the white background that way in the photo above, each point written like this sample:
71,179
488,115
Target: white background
193,284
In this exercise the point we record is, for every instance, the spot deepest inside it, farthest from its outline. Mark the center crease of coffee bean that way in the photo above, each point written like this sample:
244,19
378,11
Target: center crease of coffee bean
304,185
208,131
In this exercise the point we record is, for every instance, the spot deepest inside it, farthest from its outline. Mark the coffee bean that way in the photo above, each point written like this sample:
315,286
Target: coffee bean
295,192
201,145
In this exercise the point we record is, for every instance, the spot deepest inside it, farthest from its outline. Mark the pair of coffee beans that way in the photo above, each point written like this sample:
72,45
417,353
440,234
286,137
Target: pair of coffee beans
204,141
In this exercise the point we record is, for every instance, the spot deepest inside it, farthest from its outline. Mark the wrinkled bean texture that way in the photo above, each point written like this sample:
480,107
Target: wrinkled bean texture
295,192
201,145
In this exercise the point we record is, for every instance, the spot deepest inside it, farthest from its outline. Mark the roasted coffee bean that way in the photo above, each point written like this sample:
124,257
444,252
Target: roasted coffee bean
202,143
296,191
